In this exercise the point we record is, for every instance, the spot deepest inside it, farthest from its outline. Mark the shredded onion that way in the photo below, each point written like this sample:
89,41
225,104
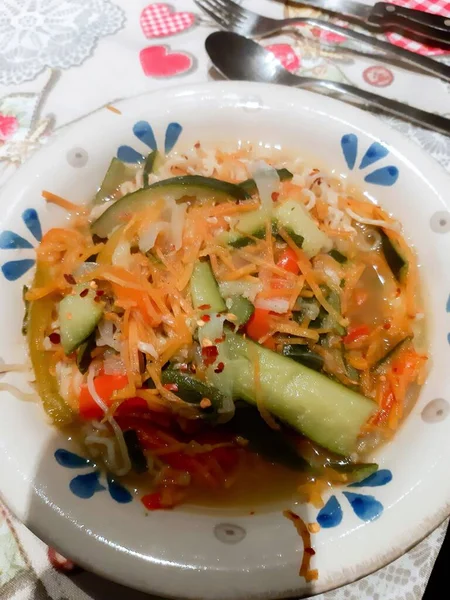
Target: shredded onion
376,222
12,389
122,255
114,365
5,368
147,236
106,335
86,268
117,431
148,349
278,305
267,181
242,288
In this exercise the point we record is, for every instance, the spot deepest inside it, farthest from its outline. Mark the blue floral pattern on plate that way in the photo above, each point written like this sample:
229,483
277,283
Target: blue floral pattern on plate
144,132
366,507
87,484
9,240
385,176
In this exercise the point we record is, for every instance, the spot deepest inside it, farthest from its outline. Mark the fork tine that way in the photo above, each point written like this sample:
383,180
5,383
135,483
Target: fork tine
234,8
209,9
216,9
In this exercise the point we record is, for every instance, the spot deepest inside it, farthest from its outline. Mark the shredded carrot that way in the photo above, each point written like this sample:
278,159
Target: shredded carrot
113,109
60,201
308,552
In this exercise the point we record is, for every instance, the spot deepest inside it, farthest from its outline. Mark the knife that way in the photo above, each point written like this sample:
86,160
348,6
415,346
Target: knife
389,16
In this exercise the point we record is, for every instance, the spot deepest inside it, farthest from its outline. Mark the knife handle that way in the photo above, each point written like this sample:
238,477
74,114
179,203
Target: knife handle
423,24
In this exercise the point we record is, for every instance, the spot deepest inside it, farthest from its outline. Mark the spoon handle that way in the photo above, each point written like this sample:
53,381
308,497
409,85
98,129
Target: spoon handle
399,109
409,59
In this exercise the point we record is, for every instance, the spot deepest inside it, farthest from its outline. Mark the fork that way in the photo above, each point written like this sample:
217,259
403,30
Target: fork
232,17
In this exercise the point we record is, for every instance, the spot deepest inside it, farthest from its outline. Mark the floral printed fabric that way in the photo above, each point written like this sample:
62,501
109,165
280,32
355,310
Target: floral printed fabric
55,67
51,33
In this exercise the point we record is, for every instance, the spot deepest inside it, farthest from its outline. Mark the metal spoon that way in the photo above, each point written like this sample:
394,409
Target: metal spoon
242,59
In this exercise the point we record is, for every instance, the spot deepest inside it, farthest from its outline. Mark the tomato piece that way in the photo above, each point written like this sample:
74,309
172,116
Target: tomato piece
258,324
105,386
288,261
152,501
356,333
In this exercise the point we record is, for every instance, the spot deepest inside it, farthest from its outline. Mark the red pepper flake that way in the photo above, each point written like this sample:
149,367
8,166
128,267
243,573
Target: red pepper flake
219,340
69,278
275,196
398,292
204,307
387,326
100,292
209,354
197,145
252,512
84,293
193,368
310,551
97,299
54,337
220,367
171,387
205,318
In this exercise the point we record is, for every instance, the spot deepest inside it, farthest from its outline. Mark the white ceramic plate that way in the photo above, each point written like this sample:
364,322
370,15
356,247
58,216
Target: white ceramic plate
188,553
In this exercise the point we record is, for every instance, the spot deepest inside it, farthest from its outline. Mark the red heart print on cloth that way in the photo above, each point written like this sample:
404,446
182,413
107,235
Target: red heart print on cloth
436,7
286,55
159,20
8,126
158,61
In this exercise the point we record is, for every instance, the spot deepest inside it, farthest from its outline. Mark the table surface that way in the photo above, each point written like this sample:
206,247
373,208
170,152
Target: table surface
61,60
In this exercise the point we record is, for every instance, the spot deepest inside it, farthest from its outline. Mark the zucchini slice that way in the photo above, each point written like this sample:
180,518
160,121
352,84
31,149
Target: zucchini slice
202,188
118,172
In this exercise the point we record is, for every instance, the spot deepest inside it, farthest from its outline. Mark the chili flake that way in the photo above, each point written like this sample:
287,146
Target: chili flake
69,278
209,354
84,293
220,367
54,337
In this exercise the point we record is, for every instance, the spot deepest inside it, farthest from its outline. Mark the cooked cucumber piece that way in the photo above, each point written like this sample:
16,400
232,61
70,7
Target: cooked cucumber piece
193,390
338,256
391,354
118,172
151,165
250,187
323,410
242,308
275,446
293,215
204,289
84,357
303,356
394,258
26,311
334,300
78,317
201,188
137,456
355,471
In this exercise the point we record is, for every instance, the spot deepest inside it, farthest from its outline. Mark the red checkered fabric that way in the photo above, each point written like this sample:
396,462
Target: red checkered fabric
158,20
437,7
